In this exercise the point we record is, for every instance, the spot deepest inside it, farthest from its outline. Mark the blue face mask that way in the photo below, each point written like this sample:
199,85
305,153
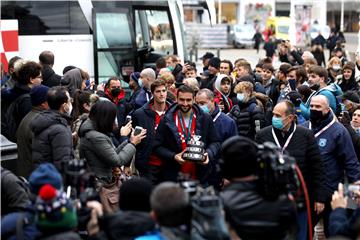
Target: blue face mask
205,108
240,97
140,83
277,123
171,68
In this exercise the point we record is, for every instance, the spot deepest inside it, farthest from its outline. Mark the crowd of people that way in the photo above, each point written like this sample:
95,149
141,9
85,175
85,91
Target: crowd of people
95,162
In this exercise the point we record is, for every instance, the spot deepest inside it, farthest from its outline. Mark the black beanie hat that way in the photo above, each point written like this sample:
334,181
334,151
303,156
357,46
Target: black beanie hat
135,195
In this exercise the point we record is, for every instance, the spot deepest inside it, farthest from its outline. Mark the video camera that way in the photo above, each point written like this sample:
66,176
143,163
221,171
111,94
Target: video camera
276,172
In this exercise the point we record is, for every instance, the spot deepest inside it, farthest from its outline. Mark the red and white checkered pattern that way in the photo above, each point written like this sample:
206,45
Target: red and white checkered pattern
9,41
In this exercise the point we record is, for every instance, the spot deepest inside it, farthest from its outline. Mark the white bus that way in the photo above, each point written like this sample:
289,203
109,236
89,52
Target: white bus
105,38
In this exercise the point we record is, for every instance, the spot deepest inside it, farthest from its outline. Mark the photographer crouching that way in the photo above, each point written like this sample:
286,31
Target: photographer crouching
248,209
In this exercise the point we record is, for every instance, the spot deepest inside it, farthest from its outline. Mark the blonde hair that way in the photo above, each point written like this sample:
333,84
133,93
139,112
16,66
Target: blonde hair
247,86
193,83
167,77
332,61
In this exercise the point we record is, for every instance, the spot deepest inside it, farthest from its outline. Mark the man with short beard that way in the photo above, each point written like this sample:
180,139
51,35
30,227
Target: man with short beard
318,83
182,121
148,117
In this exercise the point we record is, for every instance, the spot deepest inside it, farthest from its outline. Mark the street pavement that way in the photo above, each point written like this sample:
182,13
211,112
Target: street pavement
253,57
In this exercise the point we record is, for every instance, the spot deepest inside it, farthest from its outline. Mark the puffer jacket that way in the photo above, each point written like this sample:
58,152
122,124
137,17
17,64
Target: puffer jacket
100,153
52,138
249,118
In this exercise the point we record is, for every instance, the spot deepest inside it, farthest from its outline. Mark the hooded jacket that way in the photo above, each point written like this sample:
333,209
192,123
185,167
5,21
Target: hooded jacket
330,92
52,138
168,144
72,80
100,153
220,96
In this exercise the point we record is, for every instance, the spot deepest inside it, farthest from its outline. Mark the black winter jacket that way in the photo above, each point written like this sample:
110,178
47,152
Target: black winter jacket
247,116
253,217
304,149
145,117
52,139
168,144
50,78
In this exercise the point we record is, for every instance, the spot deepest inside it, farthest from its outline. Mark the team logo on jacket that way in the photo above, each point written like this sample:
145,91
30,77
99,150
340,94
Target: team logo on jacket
322,142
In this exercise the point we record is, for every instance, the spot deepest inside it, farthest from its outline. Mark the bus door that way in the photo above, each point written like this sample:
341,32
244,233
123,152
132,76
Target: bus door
114,44
154,31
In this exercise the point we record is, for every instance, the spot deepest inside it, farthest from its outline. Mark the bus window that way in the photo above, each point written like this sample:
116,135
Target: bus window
46,17
108,36
158,33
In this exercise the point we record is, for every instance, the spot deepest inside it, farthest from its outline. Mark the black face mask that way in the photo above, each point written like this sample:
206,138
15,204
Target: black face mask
115,92
315,87
316,117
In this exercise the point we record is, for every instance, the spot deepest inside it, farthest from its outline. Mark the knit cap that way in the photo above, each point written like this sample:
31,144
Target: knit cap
135,76
38,95
46,173
54,211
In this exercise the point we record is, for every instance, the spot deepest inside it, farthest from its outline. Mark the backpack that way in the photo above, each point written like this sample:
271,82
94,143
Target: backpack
9,121
208,220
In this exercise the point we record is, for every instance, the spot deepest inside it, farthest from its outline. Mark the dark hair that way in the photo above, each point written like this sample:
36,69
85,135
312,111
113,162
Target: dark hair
157,83
47,58
259,65
80,98
102,115
284,67
56,97
12,62
290,107
320,71
268,66
231,66
68,68
185,89
301,73
113,78
170,213
305,91
191,64
160,63
238,157
27,71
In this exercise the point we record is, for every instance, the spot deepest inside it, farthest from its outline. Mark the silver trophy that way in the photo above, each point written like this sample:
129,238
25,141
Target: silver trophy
194,150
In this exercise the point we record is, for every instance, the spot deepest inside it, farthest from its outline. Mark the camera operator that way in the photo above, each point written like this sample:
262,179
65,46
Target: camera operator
173,215
340,222
247,211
